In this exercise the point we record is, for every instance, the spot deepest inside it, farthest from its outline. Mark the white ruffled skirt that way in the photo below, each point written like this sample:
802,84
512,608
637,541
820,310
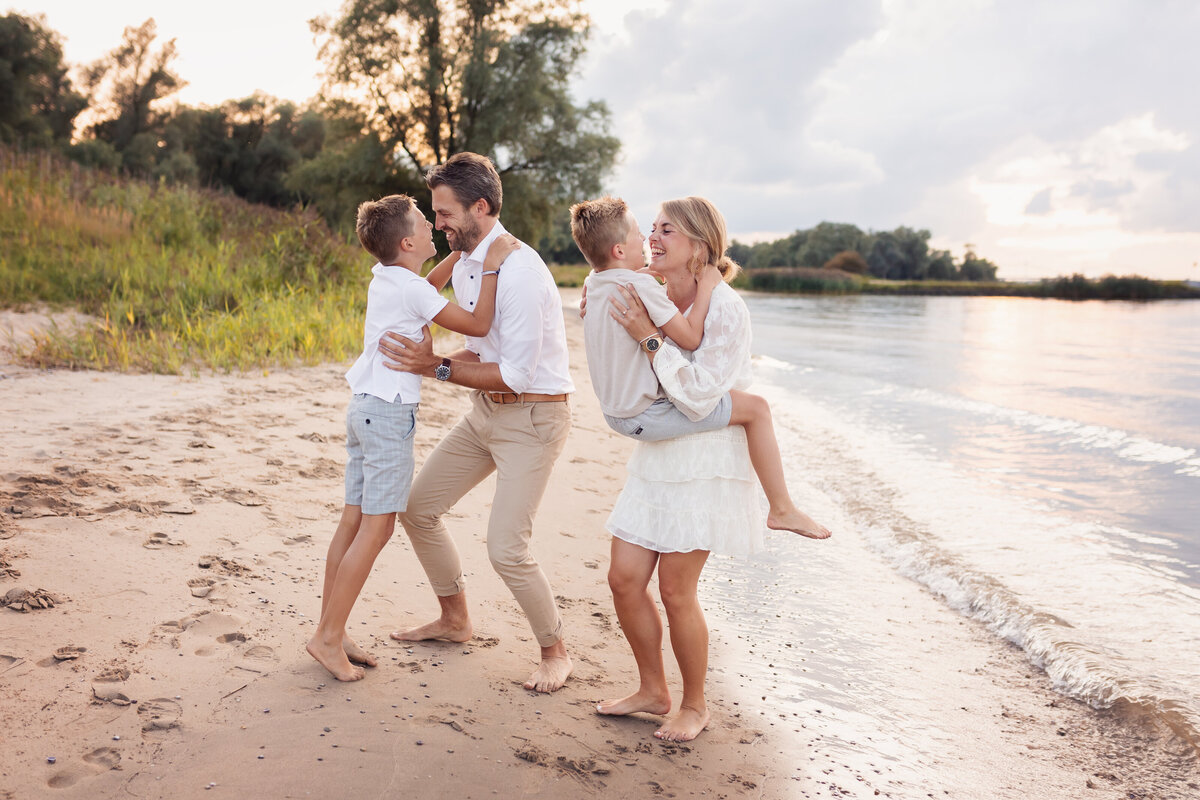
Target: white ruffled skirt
696,492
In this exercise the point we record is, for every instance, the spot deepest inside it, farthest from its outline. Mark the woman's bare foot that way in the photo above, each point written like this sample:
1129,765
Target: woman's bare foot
356,654
644,701
797,521
684,726
334,659
441,629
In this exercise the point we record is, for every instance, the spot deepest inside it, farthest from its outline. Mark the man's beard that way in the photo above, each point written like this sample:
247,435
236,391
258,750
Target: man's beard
464,239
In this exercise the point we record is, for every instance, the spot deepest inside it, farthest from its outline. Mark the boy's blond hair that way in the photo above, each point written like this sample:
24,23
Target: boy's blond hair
597,225
382,224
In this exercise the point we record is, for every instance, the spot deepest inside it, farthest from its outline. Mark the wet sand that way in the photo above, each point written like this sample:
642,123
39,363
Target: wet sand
171,533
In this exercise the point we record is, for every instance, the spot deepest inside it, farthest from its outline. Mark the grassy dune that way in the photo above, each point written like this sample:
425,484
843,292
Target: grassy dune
177,277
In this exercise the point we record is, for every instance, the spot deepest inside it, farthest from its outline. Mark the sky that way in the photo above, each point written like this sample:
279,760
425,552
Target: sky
1055,137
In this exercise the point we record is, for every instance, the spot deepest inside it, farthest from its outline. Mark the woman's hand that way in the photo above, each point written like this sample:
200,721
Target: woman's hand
632,314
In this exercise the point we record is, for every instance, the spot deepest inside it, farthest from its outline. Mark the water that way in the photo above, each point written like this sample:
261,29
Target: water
1034,464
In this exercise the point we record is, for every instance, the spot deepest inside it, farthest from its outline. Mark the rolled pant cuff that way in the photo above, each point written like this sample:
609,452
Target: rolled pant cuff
457,587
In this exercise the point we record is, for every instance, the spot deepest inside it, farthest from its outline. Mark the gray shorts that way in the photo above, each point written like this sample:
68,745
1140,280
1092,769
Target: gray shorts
379,454
662,420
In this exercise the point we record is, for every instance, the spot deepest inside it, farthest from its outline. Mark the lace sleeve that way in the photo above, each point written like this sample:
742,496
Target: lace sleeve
721,363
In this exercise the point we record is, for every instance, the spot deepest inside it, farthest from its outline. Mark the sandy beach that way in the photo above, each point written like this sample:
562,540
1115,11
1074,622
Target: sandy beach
171,534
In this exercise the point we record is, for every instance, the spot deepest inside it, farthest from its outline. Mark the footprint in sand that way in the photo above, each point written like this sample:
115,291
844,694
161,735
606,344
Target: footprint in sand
158,541
69,652
202,587
109,694
236,636
160,714
112,675
260,652
98,761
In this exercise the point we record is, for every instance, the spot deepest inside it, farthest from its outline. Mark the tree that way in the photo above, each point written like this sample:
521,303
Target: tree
38,104
942,266
129,82
827,240
848,261
432,79
975,268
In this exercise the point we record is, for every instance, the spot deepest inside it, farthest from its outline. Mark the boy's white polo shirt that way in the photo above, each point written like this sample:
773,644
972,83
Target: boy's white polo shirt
401,301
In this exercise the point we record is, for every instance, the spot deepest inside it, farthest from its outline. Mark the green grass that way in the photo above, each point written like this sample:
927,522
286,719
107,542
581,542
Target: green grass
178,278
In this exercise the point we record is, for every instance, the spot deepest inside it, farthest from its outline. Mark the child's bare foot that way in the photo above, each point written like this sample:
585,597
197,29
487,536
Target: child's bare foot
356,654
334,659
551,674
684,726
642,700
797,521
442,629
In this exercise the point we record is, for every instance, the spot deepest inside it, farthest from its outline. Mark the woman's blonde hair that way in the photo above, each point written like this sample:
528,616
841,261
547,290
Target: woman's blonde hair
699,220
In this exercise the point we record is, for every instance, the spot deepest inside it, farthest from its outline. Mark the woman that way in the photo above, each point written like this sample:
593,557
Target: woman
689,496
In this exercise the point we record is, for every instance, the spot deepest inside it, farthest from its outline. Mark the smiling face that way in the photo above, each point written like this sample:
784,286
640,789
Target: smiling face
634,244
461,224
422,235
670,249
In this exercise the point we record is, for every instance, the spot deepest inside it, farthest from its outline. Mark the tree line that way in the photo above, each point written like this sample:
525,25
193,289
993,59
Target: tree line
902,254
406,85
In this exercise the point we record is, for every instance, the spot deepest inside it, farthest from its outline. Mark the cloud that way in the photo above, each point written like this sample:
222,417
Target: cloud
990,122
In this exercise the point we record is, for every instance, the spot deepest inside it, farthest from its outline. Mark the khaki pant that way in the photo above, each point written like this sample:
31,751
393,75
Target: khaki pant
521,442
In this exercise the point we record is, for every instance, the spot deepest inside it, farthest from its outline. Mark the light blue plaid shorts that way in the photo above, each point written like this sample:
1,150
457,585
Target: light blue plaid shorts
662,420
379,454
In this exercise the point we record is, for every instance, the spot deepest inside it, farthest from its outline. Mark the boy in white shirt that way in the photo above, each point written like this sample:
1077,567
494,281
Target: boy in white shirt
630,396
381,418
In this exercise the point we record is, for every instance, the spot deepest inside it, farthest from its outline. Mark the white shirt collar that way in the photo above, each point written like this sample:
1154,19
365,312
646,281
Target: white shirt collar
480,252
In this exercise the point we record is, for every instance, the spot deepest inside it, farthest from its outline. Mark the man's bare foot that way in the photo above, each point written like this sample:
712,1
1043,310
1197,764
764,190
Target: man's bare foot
644,701
441,629
797,521
334,659
356,654
552,673
684,726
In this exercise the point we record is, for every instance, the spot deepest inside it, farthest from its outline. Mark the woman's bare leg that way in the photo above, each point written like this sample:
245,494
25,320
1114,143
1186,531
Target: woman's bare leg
629,575
754,414
678,576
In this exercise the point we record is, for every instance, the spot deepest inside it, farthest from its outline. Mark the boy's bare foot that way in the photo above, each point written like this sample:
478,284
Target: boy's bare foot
334,659
442,629
684,726
356,654
643,701
797,521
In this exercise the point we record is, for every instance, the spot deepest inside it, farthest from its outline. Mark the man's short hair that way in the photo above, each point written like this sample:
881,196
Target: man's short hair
597,225
471,177
382,224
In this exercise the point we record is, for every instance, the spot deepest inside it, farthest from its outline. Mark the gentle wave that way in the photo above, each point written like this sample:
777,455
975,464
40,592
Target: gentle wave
1076,669
1092,437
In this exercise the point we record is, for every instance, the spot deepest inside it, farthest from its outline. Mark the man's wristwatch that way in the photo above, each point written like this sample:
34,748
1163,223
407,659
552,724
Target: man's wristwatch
442,371
652,342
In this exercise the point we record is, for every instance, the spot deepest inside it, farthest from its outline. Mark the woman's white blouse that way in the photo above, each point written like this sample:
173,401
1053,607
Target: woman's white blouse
697,492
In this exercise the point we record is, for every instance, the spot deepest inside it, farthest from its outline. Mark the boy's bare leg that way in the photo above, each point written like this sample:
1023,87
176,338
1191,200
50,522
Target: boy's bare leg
354,565
629,572
454,624
678,576
754,414
347,527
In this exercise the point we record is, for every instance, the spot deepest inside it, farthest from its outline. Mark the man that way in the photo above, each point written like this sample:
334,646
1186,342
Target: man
517,424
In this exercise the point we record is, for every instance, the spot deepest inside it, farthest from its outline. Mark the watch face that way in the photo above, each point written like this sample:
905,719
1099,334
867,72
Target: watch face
442,373
652,344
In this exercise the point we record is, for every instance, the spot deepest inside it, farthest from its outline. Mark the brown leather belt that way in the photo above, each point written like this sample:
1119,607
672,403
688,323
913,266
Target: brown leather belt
506,398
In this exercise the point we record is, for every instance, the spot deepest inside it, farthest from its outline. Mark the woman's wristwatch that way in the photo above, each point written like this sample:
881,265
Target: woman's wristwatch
652,342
